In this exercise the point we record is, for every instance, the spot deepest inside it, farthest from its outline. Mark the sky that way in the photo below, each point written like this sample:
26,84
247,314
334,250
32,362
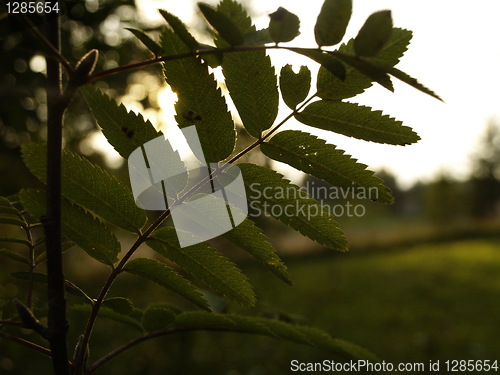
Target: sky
455,51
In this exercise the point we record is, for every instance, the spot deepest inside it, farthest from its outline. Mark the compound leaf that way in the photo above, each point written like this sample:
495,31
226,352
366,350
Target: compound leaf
354,120
332,22
271,192
89,186
250,77
79,226
333,88
124,130
274,328
206,264
165,276
294,87
250,238
200,102
317,158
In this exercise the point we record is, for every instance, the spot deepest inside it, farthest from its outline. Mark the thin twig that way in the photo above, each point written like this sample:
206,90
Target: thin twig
149,336
12,323
29,237
26,343
50,46
156,60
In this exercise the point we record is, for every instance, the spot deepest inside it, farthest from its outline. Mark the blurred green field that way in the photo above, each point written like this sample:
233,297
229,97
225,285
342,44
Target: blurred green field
413,304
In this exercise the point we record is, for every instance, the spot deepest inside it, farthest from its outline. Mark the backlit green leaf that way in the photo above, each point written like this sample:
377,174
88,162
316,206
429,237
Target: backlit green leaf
294,87
105,312
8,210
200,102
14,256
270,192
4,202
301,334
79,226
224,25
180,29
12,221
327,61
89,186
206,264
165,276
124,130
250,238
411,81
354,120
157,317
283,26
15,240
331,87
317,158
119,304
250,77
373,35
371,71
332,22
146,40
258,37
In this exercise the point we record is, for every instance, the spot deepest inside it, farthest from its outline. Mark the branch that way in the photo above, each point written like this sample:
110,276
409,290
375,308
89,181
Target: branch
156,60
12,323
57,323
138,340
26,343
149,336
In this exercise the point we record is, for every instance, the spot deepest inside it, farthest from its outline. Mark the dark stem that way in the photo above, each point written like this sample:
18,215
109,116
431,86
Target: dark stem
31,269
26,343
57,323
152,335
156,60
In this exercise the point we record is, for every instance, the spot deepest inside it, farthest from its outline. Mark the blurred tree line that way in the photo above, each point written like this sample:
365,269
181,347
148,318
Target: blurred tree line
101,24
445,200
86,25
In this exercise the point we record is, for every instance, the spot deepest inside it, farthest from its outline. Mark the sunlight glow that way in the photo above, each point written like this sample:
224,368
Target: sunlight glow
452,52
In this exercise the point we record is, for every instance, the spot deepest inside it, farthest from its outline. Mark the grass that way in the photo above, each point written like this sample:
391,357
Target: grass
413,304
438,301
